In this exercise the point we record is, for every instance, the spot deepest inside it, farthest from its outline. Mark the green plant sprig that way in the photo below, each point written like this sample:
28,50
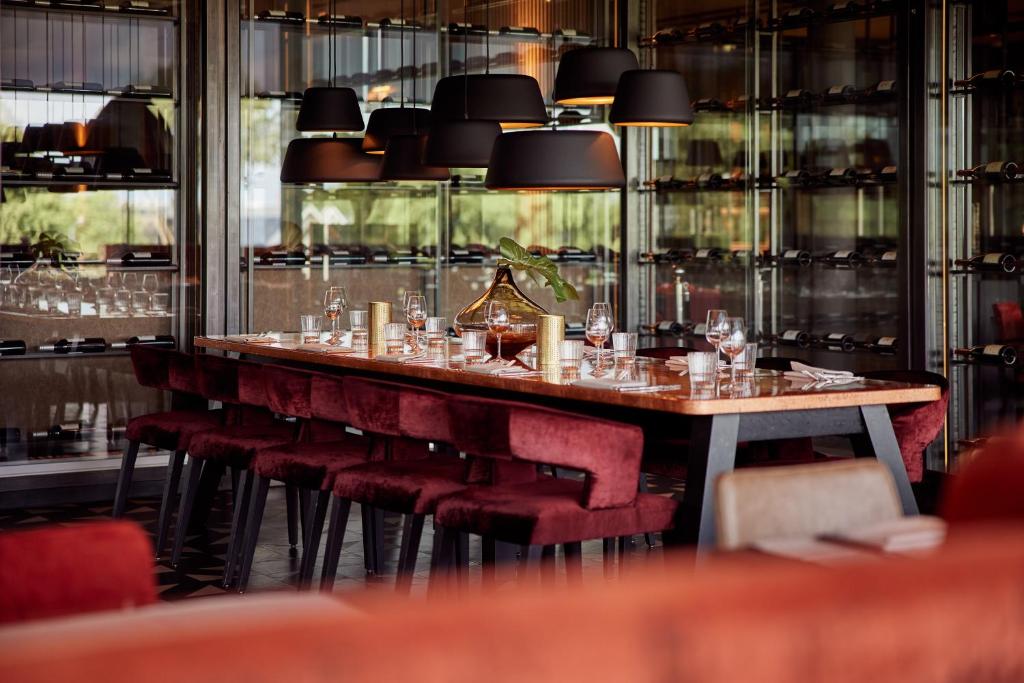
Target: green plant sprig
515,256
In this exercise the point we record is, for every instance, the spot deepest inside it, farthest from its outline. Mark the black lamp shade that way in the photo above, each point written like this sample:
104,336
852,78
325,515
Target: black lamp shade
390,121
511,100
704,153
403,160
555,160
327,110
328,160
589,75
49,138
30,139
656,97
461,144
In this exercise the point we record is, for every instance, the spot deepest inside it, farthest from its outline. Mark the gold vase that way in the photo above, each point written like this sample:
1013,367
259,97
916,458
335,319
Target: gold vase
550,334
522,310
380,314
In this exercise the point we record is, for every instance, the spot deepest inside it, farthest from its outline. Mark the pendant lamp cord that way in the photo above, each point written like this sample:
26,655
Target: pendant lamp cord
401,54
465,60
487,35
554,55
331,47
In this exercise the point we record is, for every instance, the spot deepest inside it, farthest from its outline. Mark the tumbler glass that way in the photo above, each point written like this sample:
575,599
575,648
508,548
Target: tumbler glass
473,344
310,327
360,321
394,338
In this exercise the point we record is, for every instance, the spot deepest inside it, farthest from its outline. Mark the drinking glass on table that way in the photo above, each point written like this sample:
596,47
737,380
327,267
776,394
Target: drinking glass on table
309,326
746,361
498,320
437,329
733,341
624,346
394,338
416,314
359,321
474,343
334,306
712,329
599,327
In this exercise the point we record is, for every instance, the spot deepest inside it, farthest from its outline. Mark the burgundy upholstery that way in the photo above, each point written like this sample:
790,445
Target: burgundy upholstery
57,571
483,434
406,486
152,366
1009,321
235,445
287,391
172,430
327,398
548,512
989,488
311,465
218,378
393,409
916,424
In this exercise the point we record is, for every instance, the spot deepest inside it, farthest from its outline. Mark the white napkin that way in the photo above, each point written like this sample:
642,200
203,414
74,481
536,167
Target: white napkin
398,357
608,383
320,347
262,338
812,377
499,369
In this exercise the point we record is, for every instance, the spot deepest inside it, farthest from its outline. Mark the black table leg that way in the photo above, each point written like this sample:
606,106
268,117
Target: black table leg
879,441
712,453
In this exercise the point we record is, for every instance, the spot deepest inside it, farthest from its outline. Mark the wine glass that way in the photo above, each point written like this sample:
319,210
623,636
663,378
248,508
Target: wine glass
498,320
150,283
712,328
599,328
334,306
732,341
416,314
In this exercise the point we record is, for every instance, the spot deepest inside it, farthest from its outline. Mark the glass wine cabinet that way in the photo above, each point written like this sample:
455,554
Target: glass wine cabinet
850,185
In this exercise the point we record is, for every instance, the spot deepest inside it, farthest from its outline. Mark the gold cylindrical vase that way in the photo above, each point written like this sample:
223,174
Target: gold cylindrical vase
550,333
380,315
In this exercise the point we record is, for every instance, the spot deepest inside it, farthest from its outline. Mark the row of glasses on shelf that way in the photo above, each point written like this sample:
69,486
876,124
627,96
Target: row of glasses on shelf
66,295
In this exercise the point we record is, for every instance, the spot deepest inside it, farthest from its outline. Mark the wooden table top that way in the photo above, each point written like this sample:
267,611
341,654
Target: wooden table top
767,391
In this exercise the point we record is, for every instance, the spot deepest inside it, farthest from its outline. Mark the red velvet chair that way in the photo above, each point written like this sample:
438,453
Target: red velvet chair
310,464
411,487
170,430
550,511
239,385
989,488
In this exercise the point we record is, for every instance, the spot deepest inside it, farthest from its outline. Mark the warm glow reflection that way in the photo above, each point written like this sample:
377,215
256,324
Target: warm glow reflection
379,93
597,99
374,151
509,125
651,124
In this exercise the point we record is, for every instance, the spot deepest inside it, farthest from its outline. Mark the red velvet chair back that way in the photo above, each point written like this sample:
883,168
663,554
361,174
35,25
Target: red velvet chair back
990,487
665,352
1009,320
481,432
608,452
152,366
327,398
218,378
287,390
392,409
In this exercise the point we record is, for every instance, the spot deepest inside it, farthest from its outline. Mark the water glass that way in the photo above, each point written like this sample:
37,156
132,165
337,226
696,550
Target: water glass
104,300
624,345
713,326
160,302
437,329
360,321
746,361
74,300
474,343
52,299
122,301
703,365
394,338
140,302
571,354
309,325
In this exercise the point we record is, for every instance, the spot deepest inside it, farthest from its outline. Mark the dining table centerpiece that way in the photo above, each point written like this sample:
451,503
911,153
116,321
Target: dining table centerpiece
523,311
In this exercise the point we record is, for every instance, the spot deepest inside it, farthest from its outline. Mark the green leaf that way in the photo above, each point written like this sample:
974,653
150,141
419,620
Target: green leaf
512,250
515,256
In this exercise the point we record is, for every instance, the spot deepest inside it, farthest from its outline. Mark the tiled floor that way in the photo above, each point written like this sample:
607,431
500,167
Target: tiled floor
275,563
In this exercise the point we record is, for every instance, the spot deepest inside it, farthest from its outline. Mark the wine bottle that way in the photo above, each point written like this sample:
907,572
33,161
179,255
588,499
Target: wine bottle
846,258
709,29
798,16
708,254
795,257
876,344
887,174
838,94
709,104
991,262
163,341
993,172
668,328
887,259
843,176
838,341
12,347
282,16
798,338
880,91
988,354
993,78
798,97
665,182
845,8
75,346
68,431
708,180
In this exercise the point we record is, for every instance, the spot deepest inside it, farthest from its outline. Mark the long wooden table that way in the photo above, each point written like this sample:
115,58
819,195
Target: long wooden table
769,407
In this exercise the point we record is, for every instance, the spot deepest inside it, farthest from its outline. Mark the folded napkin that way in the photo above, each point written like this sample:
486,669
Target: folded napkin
812,376
320,347
399,357
608,383
499,369
263,338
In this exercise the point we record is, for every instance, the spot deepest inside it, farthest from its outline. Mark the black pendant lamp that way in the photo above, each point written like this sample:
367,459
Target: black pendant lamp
655,97
510,100
589,75
328,160
555,160
330,109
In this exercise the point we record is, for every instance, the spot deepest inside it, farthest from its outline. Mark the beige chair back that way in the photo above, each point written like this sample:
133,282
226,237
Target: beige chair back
755,504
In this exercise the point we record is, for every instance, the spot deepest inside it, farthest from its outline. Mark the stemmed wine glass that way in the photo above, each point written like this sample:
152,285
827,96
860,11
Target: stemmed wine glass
498,320
732,341
416,314
334,305
713,327
599,327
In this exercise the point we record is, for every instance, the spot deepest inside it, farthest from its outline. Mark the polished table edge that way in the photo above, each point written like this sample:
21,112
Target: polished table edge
876,392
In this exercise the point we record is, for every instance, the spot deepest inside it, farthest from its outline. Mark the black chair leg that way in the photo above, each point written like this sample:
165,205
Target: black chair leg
573,562
304,499
529,556
241,504
373,539
167,502
488,562
124,478
609,557
411,533
547,565
291,495
236,479
261,485
315,529
648,536
188,497
335,537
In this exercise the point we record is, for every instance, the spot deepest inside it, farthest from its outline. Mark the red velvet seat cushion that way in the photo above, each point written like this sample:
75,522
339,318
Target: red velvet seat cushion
311,465
548,511
406,486
236,445
172,430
